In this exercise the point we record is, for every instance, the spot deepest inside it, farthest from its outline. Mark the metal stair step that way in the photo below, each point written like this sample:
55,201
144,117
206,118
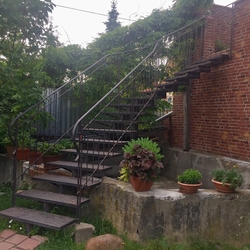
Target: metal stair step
90,152
111,131
50,197
103,141
72,165
67,180
39,218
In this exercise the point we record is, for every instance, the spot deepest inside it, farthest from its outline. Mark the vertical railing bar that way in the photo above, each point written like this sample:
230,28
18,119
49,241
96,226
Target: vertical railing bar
14,179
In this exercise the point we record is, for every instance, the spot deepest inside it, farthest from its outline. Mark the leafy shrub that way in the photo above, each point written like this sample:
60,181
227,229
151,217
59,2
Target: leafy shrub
232,176
141,159
145,143
190,176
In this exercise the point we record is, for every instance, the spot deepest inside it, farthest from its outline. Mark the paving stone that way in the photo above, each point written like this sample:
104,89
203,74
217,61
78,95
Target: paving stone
29,244
7,233
16,239
6,245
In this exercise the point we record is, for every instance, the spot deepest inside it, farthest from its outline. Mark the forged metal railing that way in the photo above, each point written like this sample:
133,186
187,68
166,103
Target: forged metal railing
102,107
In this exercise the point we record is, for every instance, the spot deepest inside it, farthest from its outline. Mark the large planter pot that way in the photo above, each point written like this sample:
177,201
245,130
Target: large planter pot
9,149
140,185
223,188
50,158
22,154
35,158
188,188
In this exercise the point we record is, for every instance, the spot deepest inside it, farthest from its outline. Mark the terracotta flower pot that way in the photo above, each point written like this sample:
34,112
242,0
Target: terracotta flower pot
22,154
50,158
140,185
35,158
223,188
9,149
188,188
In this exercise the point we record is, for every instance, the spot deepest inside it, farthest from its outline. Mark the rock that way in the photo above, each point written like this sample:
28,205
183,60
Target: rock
105,242
83,232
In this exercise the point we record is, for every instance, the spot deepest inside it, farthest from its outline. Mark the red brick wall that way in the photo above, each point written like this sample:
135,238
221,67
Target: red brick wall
217,29
220,101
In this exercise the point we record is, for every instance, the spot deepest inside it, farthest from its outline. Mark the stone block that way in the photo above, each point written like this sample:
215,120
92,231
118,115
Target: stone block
83,232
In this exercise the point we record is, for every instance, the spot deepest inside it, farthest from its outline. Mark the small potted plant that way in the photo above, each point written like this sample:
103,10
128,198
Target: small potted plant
35,156
141,163
227,180
189,181
51,152
8,145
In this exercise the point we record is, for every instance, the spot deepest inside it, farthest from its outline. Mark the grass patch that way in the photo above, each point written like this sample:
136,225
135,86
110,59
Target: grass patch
58,240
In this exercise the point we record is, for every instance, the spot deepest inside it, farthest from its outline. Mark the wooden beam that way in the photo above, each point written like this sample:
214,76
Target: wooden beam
186,111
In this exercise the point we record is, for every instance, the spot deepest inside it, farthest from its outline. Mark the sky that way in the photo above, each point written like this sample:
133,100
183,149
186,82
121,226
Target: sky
81,27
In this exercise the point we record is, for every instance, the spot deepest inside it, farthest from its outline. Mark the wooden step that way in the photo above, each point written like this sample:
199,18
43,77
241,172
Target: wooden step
72,165
67,180
39,218
51,198
90,152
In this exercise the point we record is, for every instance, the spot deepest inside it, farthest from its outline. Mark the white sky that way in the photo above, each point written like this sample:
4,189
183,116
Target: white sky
82,27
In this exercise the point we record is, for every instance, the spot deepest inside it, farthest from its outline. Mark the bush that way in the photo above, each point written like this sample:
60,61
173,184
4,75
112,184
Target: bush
190,176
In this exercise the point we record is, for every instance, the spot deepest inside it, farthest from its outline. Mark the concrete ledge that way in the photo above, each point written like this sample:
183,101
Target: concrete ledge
175,161
165,212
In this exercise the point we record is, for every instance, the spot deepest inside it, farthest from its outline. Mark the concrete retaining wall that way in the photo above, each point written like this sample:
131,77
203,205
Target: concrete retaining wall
176,161
6,169
164,212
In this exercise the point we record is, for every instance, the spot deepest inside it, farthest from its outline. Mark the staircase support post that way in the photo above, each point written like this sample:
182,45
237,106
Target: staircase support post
186,111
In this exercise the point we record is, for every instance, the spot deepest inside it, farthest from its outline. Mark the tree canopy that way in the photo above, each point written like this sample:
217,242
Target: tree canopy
25,32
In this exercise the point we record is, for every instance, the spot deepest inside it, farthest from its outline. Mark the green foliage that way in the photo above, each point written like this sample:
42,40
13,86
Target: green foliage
112,22
232,176
145,143
219,46
25,31
50,148
190,176
141,159
66,143
147,120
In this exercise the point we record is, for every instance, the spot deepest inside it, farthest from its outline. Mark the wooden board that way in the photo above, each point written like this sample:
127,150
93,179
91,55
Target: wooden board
66,180
39,218
50,197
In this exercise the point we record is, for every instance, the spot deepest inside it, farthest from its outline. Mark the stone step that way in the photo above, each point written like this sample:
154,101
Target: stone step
38,218
51,198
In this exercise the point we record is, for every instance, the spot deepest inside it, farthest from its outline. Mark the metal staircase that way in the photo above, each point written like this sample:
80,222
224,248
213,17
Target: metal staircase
99,111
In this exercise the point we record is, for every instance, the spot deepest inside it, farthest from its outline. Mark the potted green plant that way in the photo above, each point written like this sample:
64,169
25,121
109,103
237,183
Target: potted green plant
25,142
227,180
8,145
189,181
51,152
141,163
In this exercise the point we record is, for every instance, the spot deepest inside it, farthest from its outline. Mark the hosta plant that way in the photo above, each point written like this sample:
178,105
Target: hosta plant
141,159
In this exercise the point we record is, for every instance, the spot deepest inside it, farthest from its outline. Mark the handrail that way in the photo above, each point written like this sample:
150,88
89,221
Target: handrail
164,116
41,101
